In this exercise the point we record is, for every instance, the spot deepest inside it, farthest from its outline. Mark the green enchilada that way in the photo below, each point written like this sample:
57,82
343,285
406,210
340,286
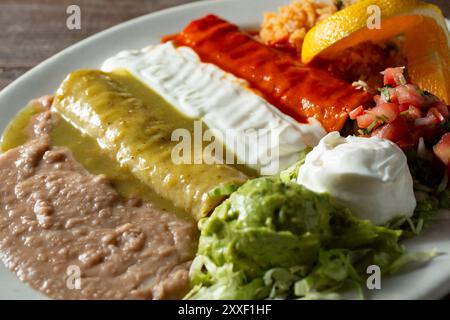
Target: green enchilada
134,126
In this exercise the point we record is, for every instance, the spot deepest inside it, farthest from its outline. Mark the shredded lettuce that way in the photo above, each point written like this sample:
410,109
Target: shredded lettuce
411,260
432,194
291,173
221,282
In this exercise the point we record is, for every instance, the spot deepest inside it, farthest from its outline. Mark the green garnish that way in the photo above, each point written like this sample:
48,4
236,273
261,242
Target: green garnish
404,113
372,126
416,226
363,132
385,93
382,119
223,190
290,174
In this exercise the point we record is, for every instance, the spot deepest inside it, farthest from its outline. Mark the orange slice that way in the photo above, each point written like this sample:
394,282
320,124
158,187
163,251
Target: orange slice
427,46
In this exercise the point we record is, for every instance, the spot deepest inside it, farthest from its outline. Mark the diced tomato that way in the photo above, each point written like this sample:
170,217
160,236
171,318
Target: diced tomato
393,95
414,113
356,112
386,111
394,76
442,149
404,114
395,131
409,94
364,121
377,99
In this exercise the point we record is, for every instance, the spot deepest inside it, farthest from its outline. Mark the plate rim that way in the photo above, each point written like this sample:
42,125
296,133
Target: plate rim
436,293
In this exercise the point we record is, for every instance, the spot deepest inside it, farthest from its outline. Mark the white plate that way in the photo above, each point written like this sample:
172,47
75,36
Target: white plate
431,282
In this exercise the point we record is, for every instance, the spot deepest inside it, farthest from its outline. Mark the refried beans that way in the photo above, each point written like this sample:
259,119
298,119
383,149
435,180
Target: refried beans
68,233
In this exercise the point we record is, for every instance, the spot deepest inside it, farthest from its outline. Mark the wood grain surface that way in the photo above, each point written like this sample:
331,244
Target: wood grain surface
34,30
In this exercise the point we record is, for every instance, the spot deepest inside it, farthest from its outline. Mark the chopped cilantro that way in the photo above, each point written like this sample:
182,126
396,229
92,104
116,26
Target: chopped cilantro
372,126
385,93
382,119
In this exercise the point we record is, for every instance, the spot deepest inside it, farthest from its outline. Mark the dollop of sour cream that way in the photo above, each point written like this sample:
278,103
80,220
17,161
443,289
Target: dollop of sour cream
370,176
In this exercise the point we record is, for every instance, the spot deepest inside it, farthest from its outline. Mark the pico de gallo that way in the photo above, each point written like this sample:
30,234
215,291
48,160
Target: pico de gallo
406,114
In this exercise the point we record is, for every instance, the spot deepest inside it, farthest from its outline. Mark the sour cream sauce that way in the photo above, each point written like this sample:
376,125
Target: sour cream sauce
256,132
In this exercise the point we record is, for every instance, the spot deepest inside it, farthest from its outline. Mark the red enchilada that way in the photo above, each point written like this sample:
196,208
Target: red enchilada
298,90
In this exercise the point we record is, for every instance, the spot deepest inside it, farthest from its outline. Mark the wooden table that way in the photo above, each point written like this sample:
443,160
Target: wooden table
34,30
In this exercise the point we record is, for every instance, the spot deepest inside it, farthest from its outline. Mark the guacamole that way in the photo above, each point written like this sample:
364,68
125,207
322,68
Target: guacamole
275,239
